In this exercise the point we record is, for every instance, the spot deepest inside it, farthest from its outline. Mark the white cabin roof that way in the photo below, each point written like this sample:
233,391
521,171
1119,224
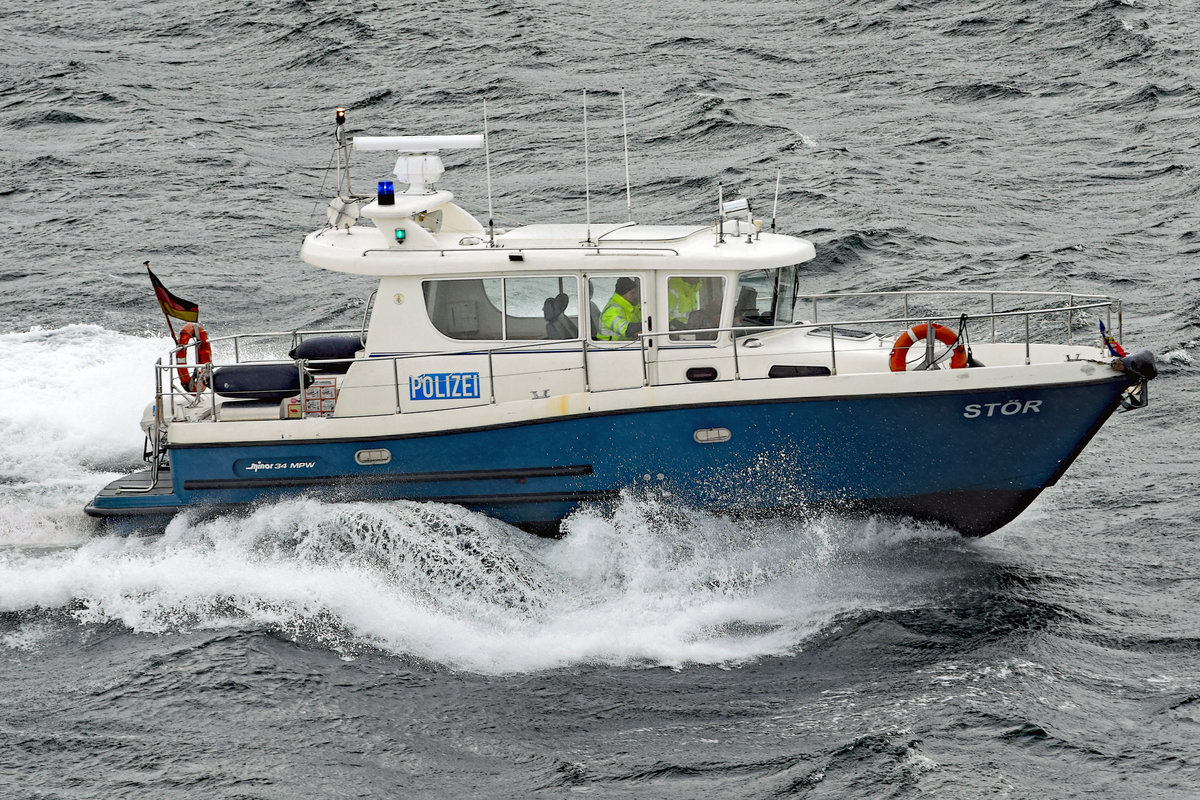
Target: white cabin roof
558,235
572,235
653,233
428,234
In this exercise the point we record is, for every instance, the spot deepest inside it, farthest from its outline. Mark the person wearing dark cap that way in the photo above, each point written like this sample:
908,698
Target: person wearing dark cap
621,319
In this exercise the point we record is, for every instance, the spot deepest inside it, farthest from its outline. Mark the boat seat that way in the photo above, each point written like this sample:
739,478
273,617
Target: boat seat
558,324
747,302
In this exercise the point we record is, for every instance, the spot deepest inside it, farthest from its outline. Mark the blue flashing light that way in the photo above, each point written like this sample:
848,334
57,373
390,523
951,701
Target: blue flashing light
386,195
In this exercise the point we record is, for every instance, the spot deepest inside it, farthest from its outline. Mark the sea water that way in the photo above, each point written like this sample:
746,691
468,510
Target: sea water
306,649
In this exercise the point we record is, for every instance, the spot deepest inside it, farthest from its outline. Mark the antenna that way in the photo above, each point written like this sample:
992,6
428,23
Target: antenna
587,184
342,151
625,140
339,139
720,213
778,175
487,160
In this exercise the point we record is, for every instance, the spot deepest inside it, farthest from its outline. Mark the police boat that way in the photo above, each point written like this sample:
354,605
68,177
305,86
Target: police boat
524,372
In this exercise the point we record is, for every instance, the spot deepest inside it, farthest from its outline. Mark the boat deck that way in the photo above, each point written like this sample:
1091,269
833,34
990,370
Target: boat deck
135,493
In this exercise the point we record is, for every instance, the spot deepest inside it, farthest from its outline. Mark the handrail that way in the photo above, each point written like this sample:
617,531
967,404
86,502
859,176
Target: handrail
1071,298
1101,300
959,292
154,437
525,345
601,250
534,344
235,337
905,321
166,392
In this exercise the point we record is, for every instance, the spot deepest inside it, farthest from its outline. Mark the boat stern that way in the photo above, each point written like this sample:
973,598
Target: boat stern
137,494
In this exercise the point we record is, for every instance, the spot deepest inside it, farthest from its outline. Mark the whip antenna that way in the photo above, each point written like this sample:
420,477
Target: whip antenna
487,160
339,137
625,141
775,208
720,213
587,183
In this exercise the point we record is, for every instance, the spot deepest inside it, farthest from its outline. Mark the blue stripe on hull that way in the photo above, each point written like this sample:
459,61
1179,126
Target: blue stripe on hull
922,455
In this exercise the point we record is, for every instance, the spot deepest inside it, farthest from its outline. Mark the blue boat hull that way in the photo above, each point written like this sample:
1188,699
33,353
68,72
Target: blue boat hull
969,460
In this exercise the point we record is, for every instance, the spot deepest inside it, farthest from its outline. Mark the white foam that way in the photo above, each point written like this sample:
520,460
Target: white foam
70,405
644,585
1178,357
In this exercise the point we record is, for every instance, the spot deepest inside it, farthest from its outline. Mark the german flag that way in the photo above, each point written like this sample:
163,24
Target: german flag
173,305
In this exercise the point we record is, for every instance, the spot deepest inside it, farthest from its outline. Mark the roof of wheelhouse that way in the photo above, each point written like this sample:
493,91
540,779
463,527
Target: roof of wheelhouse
422,231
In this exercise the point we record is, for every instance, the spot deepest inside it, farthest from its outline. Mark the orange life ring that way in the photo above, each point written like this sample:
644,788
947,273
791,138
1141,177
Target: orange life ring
203,356
918,332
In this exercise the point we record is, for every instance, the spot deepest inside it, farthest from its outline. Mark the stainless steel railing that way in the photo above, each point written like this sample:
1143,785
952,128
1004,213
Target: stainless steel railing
1089,300
733,337
169,395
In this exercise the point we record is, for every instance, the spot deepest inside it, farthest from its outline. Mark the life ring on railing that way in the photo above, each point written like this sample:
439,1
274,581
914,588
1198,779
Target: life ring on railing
918,332
189,378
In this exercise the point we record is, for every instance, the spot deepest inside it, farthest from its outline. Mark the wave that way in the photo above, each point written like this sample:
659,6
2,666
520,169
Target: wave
1151,96
978,91
55,116
70,407
645,583
848,249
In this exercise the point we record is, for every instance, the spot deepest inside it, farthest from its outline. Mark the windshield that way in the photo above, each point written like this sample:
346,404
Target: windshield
765,297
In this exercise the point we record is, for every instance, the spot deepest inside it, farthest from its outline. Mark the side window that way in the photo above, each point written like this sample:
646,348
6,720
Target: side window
541,308
615,306
785,296
465,309
505,308
755,298
694,302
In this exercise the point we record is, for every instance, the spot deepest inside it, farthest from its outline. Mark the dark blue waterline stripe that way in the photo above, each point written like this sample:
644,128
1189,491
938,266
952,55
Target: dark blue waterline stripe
392,477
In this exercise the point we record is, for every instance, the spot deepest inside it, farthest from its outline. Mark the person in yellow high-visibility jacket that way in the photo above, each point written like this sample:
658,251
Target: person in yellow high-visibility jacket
685,311
683,297
621,318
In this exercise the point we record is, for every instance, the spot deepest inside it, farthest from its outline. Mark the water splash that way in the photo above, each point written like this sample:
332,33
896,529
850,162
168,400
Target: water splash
1178,357
69,409
642,584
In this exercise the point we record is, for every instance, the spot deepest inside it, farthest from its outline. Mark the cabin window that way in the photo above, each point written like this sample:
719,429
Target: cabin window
541,307
499,309
784,305
615,304
758,298
694,303
464,309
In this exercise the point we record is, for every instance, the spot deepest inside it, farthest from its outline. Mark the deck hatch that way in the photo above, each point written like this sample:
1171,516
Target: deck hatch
841,333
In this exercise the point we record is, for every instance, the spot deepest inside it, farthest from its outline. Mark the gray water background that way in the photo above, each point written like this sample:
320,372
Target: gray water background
310,650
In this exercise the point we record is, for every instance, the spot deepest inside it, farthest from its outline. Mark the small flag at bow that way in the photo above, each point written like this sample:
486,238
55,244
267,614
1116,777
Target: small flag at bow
1114,347
173,305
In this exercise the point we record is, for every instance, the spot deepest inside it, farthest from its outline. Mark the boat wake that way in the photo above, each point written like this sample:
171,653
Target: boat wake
69,410
642,584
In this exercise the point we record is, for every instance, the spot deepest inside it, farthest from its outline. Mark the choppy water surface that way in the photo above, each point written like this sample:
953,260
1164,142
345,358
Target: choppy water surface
312,650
